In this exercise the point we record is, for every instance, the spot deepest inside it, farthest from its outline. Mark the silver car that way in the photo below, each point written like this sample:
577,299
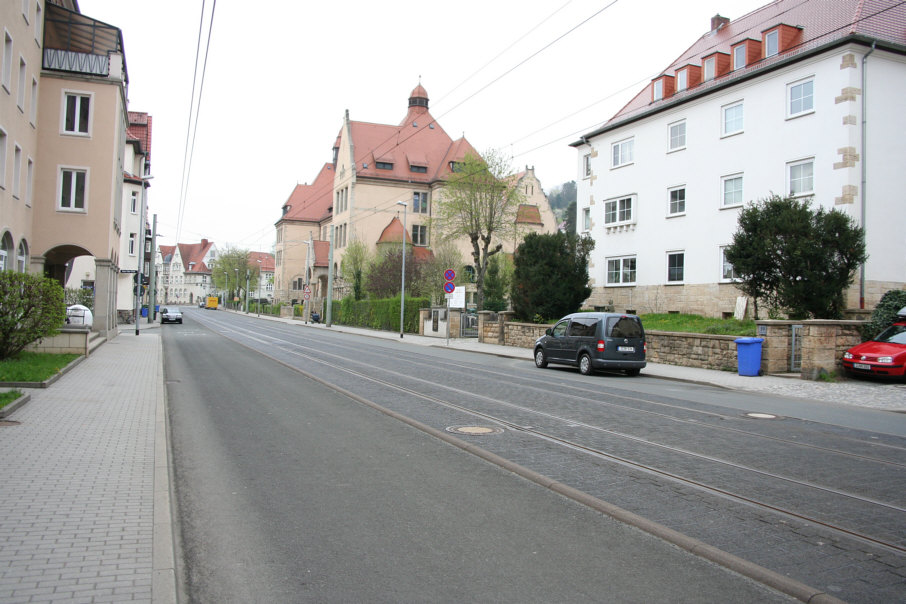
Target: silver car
171,315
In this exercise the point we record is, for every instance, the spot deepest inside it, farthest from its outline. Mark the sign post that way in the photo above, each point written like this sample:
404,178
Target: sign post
449,288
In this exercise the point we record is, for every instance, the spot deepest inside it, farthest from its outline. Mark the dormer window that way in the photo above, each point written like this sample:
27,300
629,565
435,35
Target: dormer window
771,43
657,92
383,165
455,166
662,87
710,68
739,57
419,169
682,80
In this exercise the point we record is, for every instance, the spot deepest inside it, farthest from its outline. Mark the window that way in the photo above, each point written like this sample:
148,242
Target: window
39,22
682,80
33,111
771,43
21,257
72,189
6,250
732,119
29,181
418,169
25,9
622,153
383,165
132,238
6,77
727,272
677,136
618,211
709,68
801,97
739,57
420,203
586,219
23,77
17,171
801,177
675,262
731,190
134,203
621,271
76,118
586,164
658,91
3,141
419,234
676,201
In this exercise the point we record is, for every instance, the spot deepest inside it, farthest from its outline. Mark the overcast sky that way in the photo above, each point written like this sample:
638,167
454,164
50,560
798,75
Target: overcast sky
523,76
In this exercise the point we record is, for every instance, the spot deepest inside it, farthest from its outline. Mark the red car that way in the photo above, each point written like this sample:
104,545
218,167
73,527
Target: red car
884,355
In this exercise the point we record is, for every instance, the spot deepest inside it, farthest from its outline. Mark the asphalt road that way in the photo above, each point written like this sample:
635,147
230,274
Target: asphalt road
289,491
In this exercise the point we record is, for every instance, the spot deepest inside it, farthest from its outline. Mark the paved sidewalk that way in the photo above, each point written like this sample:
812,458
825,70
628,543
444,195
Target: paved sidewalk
85,487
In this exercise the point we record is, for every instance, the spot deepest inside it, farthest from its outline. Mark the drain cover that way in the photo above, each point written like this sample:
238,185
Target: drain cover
761,415
474,430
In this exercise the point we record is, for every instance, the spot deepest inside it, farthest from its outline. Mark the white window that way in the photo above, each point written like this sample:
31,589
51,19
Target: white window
618,211
21,257
801,97
17,171
33,111
23,79
6,76
801,177
621,271
727,272
586,164
675,267
77,114
419,203
682,80
731,119
3,141
676,201
658,92
586,219
419,234
622,153
132,237
73,184
710,68
731,190
39,22
677,136
739,57
134,203
29,181
771,43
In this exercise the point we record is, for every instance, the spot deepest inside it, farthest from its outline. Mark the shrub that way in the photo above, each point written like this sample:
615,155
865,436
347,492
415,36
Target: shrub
379,314
885,313
31,308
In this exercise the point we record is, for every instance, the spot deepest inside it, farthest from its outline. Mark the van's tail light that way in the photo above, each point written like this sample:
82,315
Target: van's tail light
645,347
601,345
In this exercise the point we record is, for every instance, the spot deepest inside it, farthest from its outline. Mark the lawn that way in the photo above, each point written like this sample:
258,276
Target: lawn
8,397
33,366
698,324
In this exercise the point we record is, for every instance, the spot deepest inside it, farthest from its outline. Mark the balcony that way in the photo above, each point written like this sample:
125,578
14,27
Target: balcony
78,44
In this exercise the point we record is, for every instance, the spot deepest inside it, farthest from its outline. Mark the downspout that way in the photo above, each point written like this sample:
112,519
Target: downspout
864,170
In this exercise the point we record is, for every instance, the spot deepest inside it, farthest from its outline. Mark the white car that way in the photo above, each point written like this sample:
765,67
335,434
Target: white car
172,315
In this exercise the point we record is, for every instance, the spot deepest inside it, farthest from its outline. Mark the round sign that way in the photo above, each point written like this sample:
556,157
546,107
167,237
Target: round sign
306,296
449,274
449,287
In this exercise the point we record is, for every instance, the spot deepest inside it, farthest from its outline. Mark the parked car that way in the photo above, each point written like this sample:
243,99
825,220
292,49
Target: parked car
883,355
594,340
170,315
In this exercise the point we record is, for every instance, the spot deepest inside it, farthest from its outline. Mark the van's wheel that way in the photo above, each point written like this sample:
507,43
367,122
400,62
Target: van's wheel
632,372
540,361
585,367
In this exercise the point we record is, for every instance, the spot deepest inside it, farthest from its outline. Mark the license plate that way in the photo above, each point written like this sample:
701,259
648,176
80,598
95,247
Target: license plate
861,366
625,349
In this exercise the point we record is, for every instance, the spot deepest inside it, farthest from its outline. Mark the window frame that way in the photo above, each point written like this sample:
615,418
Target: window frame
789,177
619,210
64,109
586,220
420,204
682,267
23,79
773,35
737,51
618,146
682,79
133,237
709,65
670,201
670,137
4,151
6,69
419,235
723,190
586,164
622,270
75,170
657,91
724,132
790,114
17,171
734,278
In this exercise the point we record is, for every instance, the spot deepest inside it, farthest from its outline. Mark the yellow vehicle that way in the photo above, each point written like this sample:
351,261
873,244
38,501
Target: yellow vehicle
211,303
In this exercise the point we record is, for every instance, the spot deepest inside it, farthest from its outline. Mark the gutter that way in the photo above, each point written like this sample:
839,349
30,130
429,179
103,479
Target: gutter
864,168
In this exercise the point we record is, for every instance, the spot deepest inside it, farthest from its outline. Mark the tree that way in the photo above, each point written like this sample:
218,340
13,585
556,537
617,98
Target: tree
561,196
571,218
355,261
229,270
550,278
384,277
446,256
794,258
497,283
480,202
31,308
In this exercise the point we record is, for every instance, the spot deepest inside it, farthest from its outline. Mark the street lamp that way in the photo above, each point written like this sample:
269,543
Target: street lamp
237,279
403,285
141,253
258,304
226,286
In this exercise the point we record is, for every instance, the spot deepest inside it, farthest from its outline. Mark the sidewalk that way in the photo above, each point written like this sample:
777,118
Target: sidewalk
86,508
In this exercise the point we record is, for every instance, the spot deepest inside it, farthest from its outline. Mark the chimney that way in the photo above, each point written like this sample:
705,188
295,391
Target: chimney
204,243
717,22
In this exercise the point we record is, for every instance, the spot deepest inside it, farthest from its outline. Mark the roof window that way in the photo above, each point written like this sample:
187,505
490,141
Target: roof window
383,165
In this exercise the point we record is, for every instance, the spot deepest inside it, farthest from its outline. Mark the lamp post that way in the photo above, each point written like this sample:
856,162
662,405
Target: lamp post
226,286
403,285
141,253
258,304
247,290
237,280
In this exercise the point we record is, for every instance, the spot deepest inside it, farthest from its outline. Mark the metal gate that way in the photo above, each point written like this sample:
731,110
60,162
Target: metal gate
468,325
796,348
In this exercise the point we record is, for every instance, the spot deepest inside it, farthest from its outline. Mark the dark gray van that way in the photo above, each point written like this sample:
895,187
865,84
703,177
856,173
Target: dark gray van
594,340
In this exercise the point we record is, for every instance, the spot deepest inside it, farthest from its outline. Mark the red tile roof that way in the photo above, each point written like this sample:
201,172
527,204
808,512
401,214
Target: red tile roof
528,214
267,261
311,203
139,129
393,233
322,253
191,254
822,23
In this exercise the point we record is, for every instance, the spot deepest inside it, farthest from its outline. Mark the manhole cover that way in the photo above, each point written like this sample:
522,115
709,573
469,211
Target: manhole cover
761,416
474,430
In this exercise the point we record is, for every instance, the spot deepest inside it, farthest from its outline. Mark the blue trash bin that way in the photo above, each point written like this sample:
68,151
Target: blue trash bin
748,355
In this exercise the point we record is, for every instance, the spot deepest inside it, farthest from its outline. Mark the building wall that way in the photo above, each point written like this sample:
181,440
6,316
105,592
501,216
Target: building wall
770,141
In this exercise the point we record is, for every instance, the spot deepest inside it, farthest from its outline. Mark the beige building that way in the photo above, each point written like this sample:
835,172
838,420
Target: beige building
63,124
378,173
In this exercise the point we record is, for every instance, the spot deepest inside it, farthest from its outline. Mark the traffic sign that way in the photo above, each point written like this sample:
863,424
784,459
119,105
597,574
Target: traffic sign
128,270
449,275
306,289
307,295
449,287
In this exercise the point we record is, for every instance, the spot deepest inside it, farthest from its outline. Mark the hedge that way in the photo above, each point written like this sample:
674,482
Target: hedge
379,314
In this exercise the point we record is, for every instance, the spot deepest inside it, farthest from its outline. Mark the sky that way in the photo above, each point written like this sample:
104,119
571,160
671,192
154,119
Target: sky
525,77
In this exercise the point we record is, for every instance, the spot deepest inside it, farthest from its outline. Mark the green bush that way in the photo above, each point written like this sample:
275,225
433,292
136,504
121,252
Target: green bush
381,314
31,308
79,295
885,313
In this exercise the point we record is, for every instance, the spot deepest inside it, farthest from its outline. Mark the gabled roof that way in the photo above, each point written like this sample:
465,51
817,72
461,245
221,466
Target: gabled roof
311,203
822,24
528,214
394,232
322,253
193,255
139,130
267,261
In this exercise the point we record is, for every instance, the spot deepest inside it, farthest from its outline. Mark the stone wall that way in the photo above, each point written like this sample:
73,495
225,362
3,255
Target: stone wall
692,350
710,299
70,340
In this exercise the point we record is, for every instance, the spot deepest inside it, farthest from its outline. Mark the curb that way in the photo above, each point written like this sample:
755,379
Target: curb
9,408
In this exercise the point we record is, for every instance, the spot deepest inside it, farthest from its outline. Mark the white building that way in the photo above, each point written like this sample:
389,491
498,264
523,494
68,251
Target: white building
798,97
184,273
